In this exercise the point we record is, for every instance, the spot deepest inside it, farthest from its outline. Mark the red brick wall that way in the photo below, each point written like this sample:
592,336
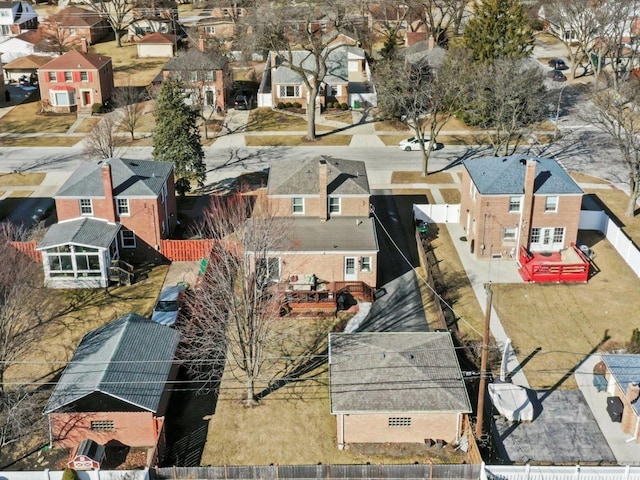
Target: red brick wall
629,417
326,267
100,83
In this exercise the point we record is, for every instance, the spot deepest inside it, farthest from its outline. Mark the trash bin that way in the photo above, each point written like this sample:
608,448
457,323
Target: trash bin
356,104
615,409
203,266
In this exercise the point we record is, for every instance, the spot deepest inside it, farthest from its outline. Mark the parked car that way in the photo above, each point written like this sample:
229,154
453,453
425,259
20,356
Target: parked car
241,102
413,144
558,64
558,76
169,305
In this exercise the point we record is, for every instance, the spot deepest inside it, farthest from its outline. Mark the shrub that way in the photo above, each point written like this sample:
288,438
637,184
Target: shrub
288,105
280,105
297,105
70,473
344,106
96,108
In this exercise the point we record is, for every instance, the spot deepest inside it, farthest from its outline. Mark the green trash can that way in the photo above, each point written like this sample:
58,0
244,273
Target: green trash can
356,104
203,266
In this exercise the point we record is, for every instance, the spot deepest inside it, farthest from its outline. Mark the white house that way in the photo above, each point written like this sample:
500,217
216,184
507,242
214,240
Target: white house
15,18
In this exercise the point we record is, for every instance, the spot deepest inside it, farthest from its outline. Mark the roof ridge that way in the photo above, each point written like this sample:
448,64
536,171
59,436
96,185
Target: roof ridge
125,323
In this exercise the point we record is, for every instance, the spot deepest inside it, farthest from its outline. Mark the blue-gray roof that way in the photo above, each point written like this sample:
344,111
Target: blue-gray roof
625,369
337,66
130,178
90,232
395,372
505,176
129,359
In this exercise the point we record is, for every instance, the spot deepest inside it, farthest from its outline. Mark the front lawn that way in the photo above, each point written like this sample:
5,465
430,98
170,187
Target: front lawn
21,179
267,119
24,118
296,141
128,69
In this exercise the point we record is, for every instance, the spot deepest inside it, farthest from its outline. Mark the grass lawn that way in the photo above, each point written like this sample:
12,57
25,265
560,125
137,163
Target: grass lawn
344,117
584,178
21,179
266,119
87,124
61,141
24,118
417,177
616,202
128,69
295,141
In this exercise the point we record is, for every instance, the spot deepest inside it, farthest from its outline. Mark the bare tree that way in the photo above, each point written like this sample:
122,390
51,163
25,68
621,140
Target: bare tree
104,141
55,38
233,311
443,18
117,13
128,99
301,34
20,415
615,113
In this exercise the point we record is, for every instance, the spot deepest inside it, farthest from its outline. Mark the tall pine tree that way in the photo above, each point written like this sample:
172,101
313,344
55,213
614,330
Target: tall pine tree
176,137
499,29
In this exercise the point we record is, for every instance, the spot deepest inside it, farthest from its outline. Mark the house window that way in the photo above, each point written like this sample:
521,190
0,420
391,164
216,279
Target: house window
297,205
558,235
63,99
399,421
209,76
509,234
6,29
60,261
334,91
209,29
365,264
84,76
514,204
127,239
5,13
535,235
68,77
551,204
334,205
289,91
52,77
268,268
102,425
472,191
86,206
123,206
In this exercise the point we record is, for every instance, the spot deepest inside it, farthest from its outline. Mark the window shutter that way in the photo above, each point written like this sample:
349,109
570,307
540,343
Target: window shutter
90,75
46,76
76,76
59,76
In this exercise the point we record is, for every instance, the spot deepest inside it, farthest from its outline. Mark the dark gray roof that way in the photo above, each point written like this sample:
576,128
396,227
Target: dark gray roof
420,51
395,372
129,359
300,177
337,66
505,176
130,178
195,60
625,369
90,232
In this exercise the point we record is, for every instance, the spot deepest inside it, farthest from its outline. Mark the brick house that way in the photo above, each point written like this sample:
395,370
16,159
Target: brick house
15,18
518,201
75,80
70,25
623,378
205,75
348,75
332,235
108,210
103,398
396,388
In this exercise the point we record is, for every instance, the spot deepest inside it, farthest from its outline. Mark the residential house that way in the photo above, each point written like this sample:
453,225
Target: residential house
396,388
141,27
348,78
205,75
222,22
623,378
75,80
114,389
15,18
518,201
25,67
70,25
108,210
157,45
159,16
28,43
3,87
332,235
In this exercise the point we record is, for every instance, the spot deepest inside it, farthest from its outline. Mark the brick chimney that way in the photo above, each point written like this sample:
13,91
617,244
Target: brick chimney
201,44
432,42
107,184
527,205
633,392
84,45
323,179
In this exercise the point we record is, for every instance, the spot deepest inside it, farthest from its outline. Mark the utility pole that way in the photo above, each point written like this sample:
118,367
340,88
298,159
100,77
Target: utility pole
483,362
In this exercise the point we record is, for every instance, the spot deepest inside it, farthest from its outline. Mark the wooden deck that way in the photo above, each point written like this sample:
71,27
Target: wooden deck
567,266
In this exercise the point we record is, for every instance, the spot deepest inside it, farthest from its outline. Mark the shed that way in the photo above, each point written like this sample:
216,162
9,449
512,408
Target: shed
88,456
157,45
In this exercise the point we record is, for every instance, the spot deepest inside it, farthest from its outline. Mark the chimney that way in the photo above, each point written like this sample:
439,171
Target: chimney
633,392
323,180
201,44
84,45
527,204
432,42
107,185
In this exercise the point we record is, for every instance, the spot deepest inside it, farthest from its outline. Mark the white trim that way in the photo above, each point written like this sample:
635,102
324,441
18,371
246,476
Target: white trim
122,239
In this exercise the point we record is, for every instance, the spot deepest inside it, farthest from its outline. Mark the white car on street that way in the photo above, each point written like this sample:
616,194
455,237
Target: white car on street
414,144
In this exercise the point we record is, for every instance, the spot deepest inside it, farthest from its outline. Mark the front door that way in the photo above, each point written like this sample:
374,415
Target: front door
350,272
86,98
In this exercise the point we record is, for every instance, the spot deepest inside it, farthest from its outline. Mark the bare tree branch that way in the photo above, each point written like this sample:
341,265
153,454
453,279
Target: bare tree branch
103,141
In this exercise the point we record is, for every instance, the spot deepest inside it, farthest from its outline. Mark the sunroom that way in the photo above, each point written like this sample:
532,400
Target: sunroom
78,253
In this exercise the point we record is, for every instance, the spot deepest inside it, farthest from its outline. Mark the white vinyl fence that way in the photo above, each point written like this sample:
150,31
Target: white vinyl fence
578,472
437,213
82,475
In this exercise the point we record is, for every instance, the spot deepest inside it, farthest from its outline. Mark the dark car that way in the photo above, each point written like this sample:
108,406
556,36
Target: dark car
558,64
558,76
241,102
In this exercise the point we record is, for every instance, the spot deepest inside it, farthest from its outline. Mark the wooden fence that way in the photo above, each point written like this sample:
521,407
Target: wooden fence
29,249
186,250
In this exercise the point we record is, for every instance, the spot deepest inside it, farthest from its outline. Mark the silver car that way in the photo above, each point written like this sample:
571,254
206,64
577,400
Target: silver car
168,306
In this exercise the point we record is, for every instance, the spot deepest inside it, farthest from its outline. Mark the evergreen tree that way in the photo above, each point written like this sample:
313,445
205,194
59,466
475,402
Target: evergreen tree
499,29
176,137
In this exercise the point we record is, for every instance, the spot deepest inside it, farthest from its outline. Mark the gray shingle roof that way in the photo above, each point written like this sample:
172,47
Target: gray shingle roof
625,369
300,177
505,176
130,178
129,359
89,232
340,234
395,372
195,60
337,66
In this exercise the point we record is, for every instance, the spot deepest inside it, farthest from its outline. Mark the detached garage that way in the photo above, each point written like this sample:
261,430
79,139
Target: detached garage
157,45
